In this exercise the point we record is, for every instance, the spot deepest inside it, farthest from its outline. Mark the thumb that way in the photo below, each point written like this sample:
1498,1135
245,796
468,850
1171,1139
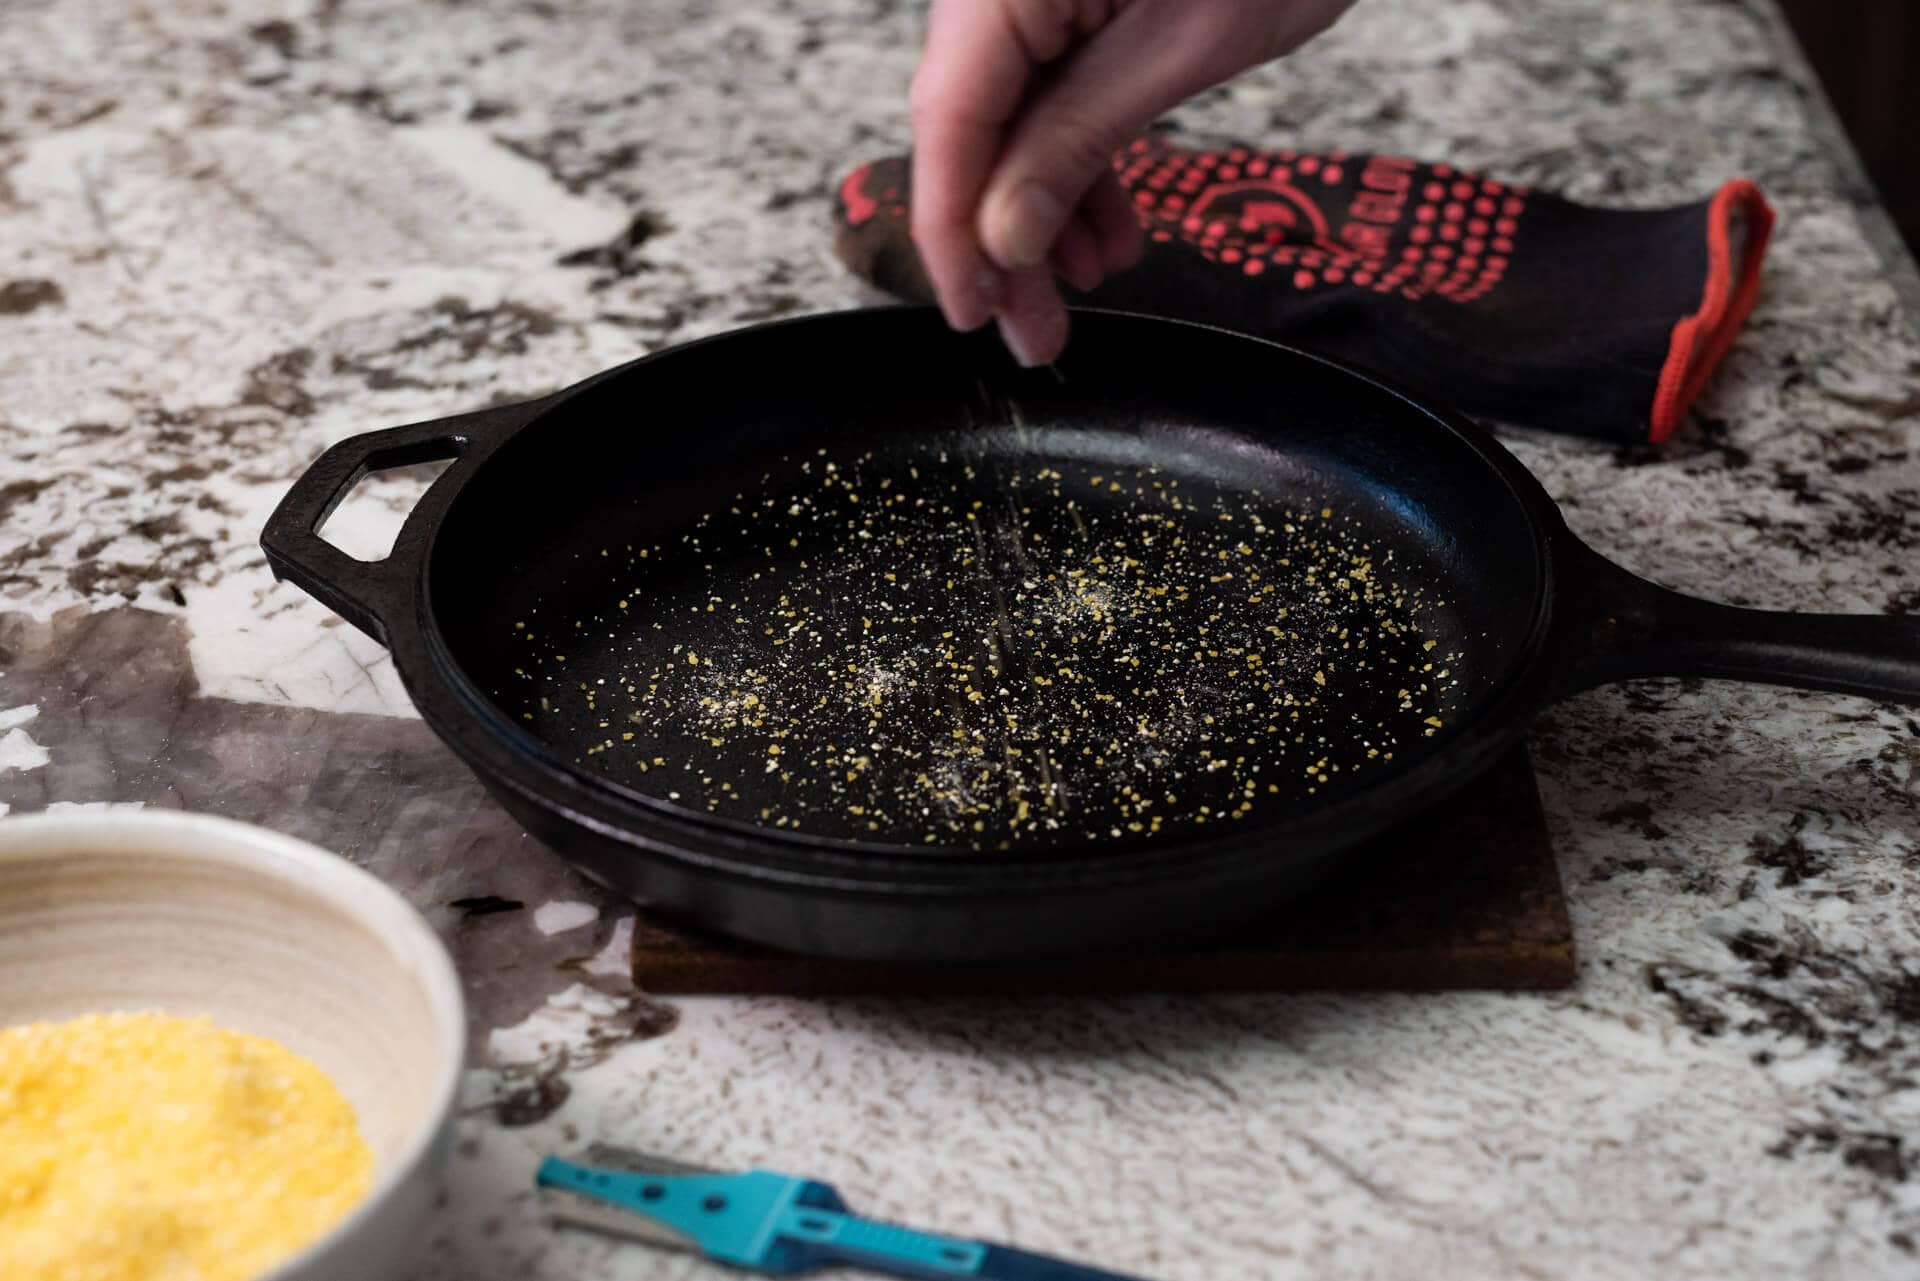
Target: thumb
1065,137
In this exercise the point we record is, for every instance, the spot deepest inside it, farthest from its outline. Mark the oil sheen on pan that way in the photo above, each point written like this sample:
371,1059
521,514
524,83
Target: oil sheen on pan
906,651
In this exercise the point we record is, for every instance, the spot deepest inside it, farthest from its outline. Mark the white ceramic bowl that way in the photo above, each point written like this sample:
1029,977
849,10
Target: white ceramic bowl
192,915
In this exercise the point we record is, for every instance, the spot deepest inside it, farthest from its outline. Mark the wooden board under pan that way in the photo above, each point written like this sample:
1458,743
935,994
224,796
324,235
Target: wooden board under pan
1467,897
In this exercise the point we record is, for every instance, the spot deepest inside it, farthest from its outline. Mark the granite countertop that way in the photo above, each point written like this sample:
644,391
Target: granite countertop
239,232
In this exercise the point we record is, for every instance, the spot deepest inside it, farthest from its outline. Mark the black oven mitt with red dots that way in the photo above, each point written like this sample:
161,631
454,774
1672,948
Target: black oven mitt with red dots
1502,301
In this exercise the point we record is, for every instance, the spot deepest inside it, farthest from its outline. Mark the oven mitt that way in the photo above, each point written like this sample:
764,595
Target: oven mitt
1500,300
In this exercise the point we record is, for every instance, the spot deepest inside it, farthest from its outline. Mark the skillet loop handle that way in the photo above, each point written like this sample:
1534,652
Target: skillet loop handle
1630,628
370,594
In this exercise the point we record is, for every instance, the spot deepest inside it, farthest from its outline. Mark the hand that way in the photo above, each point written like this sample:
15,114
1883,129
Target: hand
1018,108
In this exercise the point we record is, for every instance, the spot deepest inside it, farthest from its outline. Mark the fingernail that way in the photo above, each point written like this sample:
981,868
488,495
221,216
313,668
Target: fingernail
964,315
1032,222
968,313
1010,335
1022,342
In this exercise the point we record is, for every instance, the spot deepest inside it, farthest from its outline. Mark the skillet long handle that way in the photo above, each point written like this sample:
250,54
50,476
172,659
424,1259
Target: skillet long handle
367,593
1630,628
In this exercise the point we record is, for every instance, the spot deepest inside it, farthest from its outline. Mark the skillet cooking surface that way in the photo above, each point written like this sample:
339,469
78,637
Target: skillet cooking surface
944,604
991,648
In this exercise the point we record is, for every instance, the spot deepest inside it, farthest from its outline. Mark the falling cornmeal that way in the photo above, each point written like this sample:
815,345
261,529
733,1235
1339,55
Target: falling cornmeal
847,636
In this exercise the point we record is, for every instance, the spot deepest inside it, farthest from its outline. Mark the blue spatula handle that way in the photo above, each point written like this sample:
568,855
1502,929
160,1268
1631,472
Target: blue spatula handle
807,1237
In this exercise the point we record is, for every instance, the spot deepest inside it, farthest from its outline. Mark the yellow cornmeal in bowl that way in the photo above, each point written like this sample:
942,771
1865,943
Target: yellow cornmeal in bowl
141,1147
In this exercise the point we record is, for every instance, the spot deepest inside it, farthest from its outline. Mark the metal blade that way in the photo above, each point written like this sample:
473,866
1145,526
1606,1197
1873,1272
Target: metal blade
1003,1263
608,1156
576,1209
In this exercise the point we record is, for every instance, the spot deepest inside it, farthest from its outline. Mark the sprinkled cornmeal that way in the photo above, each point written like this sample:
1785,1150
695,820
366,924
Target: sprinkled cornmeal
140,1147
991,653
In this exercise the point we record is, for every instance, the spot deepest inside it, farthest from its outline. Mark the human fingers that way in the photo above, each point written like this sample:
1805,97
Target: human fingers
1076,256
1067,130
1032,318
1149,56
1108,210
977,63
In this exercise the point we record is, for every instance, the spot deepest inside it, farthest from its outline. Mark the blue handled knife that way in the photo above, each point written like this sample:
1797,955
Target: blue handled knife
768,1223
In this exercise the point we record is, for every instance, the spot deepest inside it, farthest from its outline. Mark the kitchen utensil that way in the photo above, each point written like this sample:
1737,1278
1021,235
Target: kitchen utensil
192,915
766,1222
510,570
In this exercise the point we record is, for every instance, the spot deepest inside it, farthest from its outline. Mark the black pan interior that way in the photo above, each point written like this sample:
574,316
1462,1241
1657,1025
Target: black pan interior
858,579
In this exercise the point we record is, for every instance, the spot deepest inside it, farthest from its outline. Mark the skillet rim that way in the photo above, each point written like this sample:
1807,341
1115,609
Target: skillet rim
506,755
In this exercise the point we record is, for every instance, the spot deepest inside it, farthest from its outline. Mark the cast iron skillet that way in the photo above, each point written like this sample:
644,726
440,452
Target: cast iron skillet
542,514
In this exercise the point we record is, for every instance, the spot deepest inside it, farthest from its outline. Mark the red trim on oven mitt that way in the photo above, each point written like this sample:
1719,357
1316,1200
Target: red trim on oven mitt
1506,302
1739,225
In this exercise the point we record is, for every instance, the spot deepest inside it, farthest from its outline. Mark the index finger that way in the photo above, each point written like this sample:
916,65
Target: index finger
972,76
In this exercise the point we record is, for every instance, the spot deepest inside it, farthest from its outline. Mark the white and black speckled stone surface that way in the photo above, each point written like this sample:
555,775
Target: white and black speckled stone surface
237,232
